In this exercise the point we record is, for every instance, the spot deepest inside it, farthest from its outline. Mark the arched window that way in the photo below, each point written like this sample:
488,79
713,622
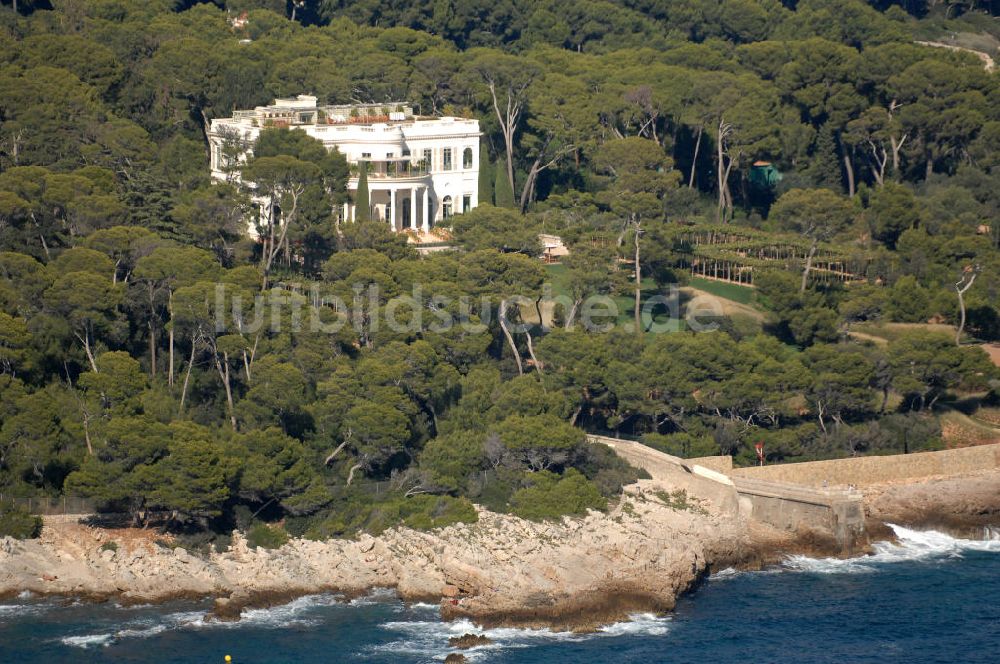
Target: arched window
446,207
467,158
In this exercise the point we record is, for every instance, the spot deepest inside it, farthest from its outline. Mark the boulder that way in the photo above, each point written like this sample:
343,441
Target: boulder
455,658
224,610
467,641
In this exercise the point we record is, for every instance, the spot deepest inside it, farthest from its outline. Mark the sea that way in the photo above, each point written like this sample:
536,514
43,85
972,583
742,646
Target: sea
928,597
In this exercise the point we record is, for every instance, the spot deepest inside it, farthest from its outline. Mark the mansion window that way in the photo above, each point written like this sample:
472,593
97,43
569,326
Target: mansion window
466,202
366,155
428,157
446,210
467,158
446,159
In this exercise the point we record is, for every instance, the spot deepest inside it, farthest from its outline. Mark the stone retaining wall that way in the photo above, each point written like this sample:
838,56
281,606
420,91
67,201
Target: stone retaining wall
864,471
720,464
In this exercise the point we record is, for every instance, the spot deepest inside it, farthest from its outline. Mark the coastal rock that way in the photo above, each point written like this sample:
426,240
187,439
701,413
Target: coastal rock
224,609
455,658
467,641
576,573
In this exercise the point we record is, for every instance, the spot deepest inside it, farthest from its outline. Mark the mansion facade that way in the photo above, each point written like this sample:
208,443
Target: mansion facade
420,170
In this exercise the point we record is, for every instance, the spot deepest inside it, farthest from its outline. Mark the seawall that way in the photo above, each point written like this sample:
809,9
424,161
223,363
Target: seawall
869,470
836,515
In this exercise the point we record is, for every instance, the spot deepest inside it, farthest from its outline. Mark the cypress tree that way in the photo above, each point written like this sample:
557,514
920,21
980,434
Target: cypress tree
826,163
504,194
485,175
362,205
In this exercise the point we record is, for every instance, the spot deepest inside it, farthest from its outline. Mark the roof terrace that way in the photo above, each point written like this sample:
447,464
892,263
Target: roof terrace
304,110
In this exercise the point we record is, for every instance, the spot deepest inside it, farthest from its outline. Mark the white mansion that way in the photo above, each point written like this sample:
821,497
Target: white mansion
420,170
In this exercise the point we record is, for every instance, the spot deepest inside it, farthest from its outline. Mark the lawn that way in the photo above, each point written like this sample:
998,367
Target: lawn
734,292
893,331
625,302
740,295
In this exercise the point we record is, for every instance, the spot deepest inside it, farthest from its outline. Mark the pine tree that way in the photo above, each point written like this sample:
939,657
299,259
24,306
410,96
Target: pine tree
362,205
503,192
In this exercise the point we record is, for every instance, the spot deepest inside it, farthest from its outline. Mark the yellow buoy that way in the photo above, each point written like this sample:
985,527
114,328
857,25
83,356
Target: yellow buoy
228,659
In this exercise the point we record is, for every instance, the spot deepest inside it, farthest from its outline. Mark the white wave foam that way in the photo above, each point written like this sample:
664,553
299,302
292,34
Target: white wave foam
644,624
18,610
25,594
912,545
140,633
89,640
429,639
723,574
375,596
276,617
133,607
286,614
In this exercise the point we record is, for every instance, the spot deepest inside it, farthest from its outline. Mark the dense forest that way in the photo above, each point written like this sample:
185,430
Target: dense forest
840,172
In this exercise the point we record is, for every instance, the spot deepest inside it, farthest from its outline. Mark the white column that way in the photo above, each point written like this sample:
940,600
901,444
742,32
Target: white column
413,207
394,208
427,210
345,217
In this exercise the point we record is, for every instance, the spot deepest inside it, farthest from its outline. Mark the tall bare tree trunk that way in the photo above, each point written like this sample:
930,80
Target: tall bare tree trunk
224,374
808,265
963,285
85,340
531,352
720,169
897,147
152,350
86,436
849,168
694,160
170,312
510,338
350,476
638,283
572,315
187,378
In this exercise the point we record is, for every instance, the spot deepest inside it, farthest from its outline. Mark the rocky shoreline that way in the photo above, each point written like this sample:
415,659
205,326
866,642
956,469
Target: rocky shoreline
577,574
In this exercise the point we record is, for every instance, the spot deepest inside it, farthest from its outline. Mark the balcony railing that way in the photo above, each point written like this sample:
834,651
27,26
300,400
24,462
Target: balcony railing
383,169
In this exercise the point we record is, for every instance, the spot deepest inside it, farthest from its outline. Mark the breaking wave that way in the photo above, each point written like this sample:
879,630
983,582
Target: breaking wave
19,610
88,640
295,613
911,545
430,638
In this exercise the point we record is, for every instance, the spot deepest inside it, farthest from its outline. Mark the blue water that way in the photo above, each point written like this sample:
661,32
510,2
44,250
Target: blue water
930,598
